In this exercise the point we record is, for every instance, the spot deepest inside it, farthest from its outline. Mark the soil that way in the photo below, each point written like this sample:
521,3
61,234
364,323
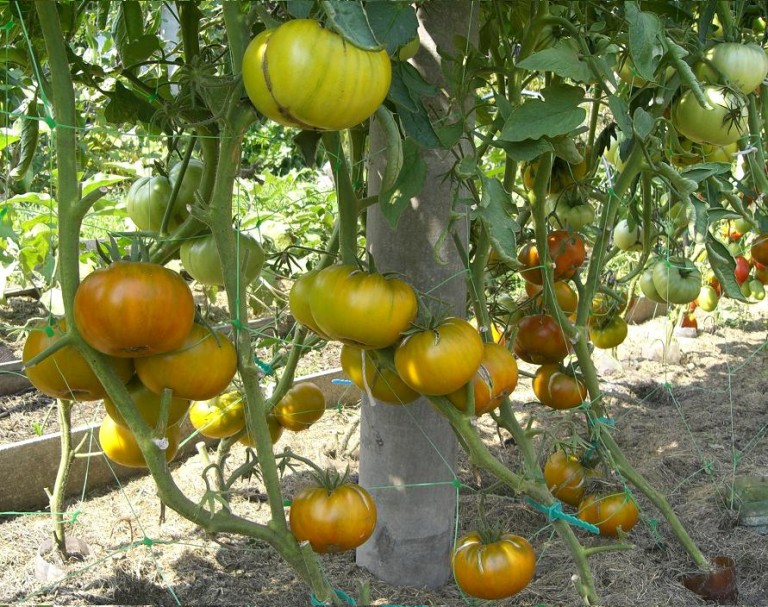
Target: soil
691,424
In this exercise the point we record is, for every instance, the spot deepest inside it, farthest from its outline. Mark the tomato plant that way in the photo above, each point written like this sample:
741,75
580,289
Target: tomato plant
147,200
384,384
65,373
218,417
610,512
301,407
333,520
494,380
199,369
361,309
120,446
134,309
608,333
200,258
540,340
492,568
441,360
722,124
566,250
148,404
303,75
558,389
566,477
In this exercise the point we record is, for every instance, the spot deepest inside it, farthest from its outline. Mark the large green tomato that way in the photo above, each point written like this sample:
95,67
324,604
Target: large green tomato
745,66
200,258
189,183
301,74
147,200
647,286
625,238
722,124
677,280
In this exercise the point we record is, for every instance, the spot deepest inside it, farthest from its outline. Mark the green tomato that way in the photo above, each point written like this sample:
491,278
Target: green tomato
681,214
409,49
757,289
200,258
189,183
147,200
708,298
722,124
677,280
607,335
625,238
745,66
573,212
647,286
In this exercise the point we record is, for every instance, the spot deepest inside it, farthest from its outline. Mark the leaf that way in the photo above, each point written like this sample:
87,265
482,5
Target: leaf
350,21
419,127
140,50
495,213
723,265
524,151
642,123
28,146
560,59
620,112
701,172
557,115
566,149
300,9
124,106
395,23
308,141
100,180
408,184
7,137
43,200
645,39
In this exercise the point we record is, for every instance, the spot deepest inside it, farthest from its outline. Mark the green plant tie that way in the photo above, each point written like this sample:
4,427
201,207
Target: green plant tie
555,511
147,541
152,97
287,503
8,26
265,367
339,593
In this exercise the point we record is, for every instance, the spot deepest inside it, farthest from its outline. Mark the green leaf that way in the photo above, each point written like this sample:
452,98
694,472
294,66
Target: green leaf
449,134
349,20
299,9
723,265
645,39
557,115
28,146
620,112
642,123
308,142
394,23
418,126
525,151
7,137
140,50
566,149
43,200
495,213
124,106
408,184
701,172
101,180
561,59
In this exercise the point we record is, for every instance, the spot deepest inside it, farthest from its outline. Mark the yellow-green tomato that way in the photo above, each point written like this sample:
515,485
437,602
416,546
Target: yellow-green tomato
303,75
189,183
745,66
721,124
120,445
218,417
147,200
707,298
200,258
148,404
677,280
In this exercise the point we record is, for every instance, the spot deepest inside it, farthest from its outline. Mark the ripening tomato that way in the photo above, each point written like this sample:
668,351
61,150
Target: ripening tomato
492,568
761,273
563,175
148,404
369,311
65,374
741,272
199,369
708,298
439,361
134,309
557,389
333,520
609,513
566,250
566,477
301,407
304,75
382,383
120,446
608,333
147,200
494,380
218,417
540,340
200,258
496,332
275,432
298,301
566,296
759,249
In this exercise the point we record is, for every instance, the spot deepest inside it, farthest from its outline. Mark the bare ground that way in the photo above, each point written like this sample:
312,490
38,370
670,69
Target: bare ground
689,425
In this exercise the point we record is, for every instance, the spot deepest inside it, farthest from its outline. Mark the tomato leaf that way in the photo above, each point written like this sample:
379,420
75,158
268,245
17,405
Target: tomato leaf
28,145
620,112
7,137
408,184
557,115
140,50
406,91
701,172
349,20
495,213
124,106
645,40
395,23
561,59
642,123
299,9
524,151
723,265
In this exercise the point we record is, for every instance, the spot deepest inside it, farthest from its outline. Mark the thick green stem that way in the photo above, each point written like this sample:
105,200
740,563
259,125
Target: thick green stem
64,408
757,158
346,197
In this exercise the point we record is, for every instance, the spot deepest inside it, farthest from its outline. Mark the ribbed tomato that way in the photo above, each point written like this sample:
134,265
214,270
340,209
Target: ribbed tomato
200,258
303,75
134,309
301,407
494,380
566,251
610,512
441,360
540,340
218,417
120,446
566,477
722,124
298,301
382,383
609,332
199,369
557,389
65,374
148,404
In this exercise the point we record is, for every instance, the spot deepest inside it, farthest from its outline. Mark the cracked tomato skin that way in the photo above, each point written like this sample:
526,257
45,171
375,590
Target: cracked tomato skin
557,389
566,477
609,513
493,570
303,75
134,309
494,380
333,520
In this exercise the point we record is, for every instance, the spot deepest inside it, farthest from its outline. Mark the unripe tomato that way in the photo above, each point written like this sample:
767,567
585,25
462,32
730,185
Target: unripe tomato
756,289
540,340
647,286
134,309
369,311
610,513
298,301
65,374
148,404
607,334
743,65
301,407
492,568
572,211
200,258
333,520
439,361
708,298
759,249
384,384
275,432
557,389
199,369
566,251
218,417
494,380
722,124
566,477
625,238
147,200
677,280
303,75
120,446
189,183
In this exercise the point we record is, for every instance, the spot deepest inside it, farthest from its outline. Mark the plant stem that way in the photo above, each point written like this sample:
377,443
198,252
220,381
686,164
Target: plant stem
346,198
64,408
